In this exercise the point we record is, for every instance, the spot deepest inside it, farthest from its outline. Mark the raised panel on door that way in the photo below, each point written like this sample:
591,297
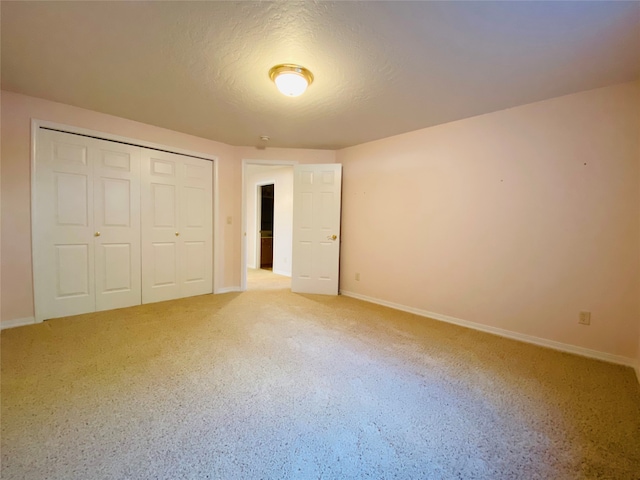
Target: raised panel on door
72,271
63,247
71,202
116,199
117,267
195,207
195,268
163,206
165,268
116,174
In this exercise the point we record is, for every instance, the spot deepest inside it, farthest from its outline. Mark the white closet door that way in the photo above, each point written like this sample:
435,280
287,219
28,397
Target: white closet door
86,225
176,226
63,247
116,178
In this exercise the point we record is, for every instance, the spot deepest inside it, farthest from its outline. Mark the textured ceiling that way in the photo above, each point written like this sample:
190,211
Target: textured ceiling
381,68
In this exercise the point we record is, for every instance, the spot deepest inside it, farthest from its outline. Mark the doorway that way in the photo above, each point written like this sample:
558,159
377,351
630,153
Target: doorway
275,176
265,212
318,204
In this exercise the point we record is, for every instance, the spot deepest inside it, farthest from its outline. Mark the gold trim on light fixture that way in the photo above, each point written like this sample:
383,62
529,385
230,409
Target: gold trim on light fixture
289,69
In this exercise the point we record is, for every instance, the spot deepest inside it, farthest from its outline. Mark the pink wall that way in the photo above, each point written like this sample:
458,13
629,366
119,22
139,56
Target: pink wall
516,219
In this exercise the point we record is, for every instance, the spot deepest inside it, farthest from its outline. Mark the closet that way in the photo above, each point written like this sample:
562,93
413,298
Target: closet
117,225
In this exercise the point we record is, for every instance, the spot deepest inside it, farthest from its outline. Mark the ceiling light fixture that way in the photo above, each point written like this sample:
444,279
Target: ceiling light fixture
291,80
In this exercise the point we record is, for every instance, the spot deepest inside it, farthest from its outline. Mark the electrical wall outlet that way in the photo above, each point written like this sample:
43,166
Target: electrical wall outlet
584,318
357,277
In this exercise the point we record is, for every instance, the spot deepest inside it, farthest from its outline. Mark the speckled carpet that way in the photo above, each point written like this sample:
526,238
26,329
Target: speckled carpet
267,384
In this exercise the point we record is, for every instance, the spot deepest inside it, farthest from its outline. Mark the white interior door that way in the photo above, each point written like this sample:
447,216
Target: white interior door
177,226
116,179
86,225
316,228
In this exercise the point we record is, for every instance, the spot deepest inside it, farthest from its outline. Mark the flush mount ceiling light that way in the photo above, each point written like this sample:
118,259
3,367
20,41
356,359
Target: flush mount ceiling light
291,80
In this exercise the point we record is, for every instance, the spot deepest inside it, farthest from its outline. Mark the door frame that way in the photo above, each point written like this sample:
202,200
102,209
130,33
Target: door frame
61,127
243,241
258,218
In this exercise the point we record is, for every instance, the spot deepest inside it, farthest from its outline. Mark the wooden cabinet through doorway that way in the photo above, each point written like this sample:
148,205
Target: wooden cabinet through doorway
266,252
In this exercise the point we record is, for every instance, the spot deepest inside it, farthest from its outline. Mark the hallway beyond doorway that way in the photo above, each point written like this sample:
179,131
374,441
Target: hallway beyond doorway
266,280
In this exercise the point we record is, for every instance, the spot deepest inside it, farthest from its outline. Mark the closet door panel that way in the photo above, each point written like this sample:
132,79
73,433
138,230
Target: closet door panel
196,227
161,254
63,247
72,270
116,176
165,264
117,267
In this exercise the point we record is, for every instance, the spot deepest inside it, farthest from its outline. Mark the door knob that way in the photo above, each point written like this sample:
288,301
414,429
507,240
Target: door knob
332,237
177,234
97,234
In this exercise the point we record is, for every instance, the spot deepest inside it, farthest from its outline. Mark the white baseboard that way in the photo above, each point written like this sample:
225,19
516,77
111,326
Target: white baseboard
563,347
17,322
227,290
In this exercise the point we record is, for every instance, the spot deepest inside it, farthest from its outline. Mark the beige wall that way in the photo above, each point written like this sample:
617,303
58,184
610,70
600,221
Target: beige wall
516,219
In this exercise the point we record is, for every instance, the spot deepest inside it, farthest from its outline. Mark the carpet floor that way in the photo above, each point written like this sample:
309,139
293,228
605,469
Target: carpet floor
267,384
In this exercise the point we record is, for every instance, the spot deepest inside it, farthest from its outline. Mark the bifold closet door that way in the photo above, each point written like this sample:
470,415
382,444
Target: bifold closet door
86,225
177,226
116,179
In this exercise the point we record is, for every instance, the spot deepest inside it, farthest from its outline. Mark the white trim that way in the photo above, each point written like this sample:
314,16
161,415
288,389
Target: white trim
228,290
243,241
217,259
563,347
119,138
35,126
17,322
